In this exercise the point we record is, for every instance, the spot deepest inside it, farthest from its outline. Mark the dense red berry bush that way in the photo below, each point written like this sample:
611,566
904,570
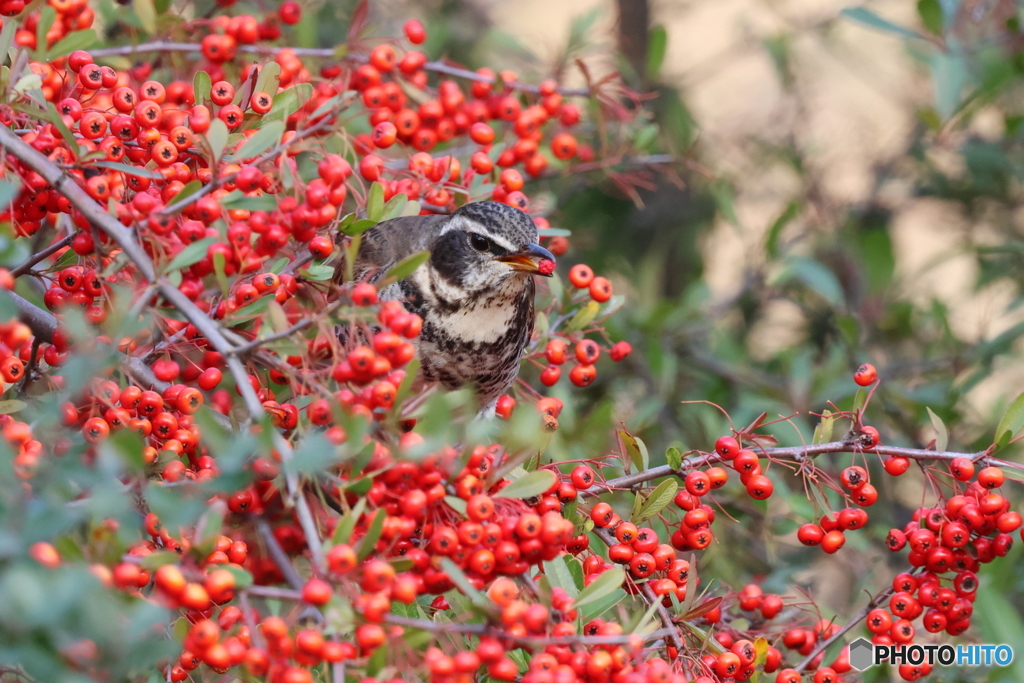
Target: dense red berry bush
230,489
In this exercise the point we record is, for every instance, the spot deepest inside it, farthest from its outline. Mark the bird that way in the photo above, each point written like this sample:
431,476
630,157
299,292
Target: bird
475,291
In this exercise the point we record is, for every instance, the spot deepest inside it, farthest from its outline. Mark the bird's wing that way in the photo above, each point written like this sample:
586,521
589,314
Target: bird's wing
388,242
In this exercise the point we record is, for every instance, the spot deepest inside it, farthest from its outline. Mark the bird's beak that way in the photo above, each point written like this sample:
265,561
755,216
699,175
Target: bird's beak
527,259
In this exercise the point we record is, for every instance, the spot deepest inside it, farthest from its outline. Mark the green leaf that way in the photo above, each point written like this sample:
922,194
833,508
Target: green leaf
146,13
343,532
463,584
265,138
78,40
201,86
158,559
318,272
1011,422
791,211
12,406
8,191
724,195
559,576
636,449
823,432
6,38
657,45
816,277
583,317
219,273
603,586
287,102
217,138
358,227
942,434
375,202
369,541
658,500
190,189
869,18
127,169
239,200
243,579
533,484
931,15
394,207
674,458
950,75
457,504
193,253
405,267
269,78
47,15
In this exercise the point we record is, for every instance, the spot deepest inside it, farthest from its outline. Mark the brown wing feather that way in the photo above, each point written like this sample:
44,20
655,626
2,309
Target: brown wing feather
390,241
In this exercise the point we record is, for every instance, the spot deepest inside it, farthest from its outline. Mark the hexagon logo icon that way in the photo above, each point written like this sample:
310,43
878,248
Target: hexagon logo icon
862,654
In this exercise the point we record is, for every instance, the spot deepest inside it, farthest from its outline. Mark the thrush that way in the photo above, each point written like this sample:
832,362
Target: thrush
475,292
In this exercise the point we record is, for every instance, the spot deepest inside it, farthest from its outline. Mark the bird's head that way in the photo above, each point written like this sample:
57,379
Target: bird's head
484,244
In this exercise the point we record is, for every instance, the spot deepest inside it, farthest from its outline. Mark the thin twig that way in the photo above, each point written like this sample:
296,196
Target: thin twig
824,645
327,53
797,452
45,253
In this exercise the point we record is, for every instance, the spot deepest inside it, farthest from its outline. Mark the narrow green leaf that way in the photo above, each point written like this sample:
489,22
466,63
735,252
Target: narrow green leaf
78,40
217,138
405,267
674,458
638,503
463,584
127,169
602,586
394,207
193,253
219,273
375,202
636,449
358,227
239,200
190,189
942,434
269,78
265,138
657,45
658,500
201,86
47,15
1011,421
343,532
583,317
559,576
6,38
533,484
369,541
12,406
146,13
869,18
456,504
8,191
823,432
287,102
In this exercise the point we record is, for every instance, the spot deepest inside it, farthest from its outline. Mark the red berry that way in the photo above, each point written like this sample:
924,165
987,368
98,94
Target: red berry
415,32
865,375
290,12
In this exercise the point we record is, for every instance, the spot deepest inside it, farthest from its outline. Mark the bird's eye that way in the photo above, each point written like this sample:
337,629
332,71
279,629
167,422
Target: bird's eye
479,242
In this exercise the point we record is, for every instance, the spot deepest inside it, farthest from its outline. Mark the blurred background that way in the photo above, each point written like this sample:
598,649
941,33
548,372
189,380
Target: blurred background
848,190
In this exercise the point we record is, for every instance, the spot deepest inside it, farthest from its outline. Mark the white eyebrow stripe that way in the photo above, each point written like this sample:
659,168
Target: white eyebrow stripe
461,223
